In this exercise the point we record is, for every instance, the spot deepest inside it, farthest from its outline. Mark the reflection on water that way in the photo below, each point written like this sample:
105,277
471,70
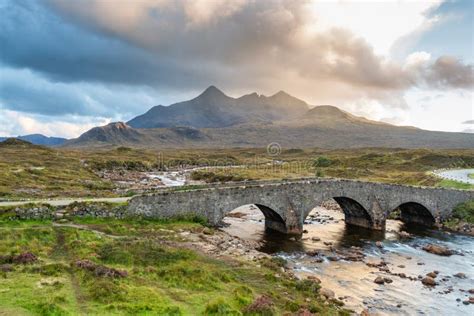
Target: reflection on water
353,281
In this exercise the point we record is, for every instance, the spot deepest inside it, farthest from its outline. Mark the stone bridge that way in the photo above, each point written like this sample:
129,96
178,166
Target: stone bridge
286,204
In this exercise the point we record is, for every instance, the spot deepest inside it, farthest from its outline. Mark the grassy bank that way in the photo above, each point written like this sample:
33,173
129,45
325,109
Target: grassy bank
117,267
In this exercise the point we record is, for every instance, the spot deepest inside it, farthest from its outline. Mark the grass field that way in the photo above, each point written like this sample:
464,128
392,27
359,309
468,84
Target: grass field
137,268
28,171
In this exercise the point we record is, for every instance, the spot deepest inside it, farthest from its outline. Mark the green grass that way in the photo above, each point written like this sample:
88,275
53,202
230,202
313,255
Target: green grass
164,277
471,176
445,183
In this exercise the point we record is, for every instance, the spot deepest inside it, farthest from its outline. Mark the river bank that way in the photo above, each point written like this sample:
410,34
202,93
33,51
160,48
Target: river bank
372,272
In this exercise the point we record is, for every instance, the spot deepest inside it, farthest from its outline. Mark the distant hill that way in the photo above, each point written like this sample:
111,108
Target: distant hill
39,139
213,108
13,142
215,120
117,133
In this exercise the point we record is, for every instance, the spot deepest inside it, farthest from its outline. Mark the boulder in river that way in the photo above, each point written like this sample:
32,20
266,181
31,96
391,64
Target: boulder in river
432,275
460,275
404,234
429,281
387,280
438,250
379,280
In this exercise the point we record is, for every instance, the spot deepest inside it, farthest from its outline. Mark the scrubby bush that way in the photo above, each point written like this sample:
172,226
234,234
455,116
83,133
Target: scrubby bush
322,161
273,263
220,307
49,308
308,286
263,306
105,290
465,212
243,295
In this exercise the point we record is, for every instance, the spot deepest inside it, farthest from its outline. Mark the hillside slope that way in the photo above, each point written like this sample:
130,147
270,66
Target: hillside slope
325,127
117,133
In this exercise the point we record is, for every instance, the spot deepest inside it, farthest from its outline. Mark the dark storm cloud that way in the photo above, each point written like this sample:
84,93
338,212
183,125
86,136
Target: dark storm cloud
22,90
33,37
262,39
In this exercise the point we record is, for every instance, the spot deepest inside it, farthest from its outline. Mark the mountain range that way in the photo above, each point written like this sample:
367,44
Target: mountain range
39,139
213,108
214,119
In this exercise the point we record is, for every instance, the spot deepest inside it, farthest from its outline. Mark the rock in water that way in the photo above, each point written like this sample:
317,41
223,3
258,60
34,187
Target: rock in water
438,250
429,281
432,275
460,275
379,280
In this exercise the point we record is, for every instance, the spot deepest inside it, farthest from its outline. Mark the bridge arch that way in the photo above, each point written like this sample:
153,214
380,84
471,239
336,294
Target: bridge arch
354,212
273,220
417,213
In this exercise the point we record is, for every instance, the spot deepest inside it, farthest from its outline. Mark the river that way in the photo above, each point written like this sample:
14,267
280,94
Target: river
460,175
353,281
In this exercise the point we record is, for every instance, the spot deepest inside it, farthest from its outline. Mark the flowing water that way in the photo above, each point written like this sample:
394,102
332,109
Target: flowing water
353,281
460,175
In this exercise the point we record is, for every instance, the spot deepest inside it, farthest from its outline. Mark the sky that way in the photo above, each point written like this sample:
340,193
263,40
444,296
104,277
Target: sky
67,66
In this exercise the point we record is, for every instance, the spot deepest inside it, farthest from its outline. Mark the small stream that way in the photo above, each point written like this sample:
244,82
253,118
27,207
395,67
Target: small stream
460,175
353,281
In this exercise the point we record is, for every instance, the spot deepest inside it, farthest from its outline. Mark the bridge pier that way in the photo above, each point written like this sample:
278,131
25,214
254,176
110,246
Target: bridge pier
277,226
291,225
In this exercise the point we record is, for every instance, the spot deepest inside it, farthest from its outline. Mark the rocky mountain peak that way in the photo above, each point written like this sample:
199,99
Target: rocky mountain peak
117,125
212,92
281,98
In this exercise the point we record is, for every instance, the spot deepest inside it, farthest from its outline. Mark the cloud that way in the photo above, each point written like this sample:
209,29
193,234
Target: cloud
14,124
114,59
468,122
266,40
449,72
45,97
